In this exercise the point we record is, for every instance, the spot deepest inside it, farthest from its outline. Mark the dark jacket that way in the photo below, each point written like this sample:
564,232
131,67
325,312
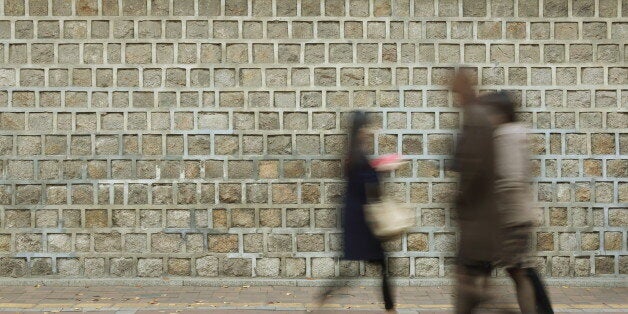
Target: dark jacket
476,206
359,241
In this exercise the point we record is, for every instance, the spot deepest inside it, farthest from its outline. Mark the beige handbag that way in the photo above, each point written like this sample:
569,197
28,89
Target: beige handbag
389,219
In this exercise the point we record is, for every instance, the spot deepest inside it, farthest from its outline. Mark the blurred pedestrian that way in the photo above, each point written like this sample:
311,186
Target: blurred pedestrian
363,187
516,216
494,203
476,207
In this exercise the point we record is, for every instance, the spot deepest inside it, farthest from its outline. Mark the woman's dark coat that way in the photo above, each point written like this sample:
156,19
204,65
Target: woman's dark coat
359,241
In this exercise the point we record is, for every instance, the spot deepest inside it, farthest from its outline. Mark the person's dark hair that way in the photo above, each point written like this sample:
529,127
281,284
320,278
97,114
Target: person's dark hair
356,154
501,103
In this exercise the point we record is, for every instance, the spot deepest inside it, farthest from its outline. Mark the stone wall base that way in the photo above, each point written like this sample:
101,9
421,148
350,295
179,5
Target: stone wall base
615,281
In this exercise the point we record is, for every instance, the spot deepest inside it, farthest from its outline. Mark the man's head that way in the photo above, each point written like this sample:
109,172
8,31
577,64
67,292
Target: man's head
463,86
501,107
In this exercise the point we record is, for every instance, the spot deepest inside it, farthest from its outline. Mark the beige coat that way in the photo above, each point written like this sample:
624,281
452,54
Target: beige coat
512,175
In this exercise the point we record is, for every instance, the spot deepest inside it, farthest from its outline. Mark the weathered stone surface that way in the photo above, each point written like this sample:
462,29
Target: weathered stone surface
323,267
122,267
149,267
222,243
268,267
135,144
426,267
207,266
236,267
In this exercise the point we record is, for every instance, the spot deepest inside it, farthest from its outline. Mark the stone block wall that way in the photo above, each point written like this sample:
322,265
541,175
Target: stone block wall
205,138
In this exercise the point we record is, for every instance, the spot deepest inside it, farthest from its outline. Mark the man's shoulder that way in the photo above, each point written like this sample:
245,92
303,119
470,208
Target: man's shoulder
476,114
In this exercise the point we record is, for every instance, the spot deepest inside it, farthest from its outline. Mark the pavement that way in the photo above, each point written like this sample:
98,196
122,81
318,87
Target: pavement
284,299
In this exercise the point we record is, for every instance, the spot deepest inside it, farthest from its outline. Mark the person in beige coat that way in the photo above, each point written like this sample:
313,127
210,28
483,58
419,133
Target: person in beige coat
513,197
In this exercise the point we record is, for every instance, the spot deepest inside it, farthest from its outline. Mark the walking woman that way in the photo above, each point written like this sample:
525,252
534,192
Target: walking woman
363,187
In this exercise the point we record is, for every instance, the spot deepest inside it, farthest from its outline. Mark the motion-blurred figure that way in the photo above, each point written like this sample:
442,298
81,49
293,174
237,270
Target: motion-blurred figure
363,187
494,203
476,205
516,217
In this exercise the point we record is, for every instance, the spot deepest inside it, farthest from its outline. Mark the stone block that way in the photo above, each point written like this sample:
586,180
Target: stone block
236,267
268,267
82,242
253,243
582,267
122,267
230,193
310,242
166,243
243,217
613,241
590,241
618,217
323,267
399,266
293,267
149,267
207,266
444,242
69,267
135,243
270,217
108,242
426,267
604,265
13,267
567,241
279,243
28,242
178,266
284,193
41,266
222,243
94,267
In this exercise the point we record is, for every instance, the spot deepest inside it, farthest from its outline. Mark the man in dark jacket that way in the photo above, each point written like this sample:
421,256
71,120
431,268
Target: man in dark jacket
476,208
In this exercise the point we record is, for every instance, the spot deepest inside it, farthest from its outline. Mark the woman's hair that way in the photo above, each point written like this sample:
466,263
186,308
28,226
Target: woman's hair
501,103
355,155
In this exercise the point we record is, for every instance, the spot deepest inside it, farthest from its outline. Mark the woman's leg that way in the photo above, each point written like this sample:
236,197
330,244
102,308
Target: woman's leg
525,290
389,303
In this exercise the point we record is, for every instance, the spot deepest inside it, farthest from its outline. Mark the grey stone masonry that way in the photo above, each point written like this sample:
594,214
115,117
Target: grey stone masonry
206,138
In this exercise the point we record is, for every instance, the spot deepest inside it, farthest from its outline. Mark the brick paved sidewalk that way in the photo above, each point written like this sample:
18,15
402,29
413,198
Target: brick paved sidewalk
287,299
